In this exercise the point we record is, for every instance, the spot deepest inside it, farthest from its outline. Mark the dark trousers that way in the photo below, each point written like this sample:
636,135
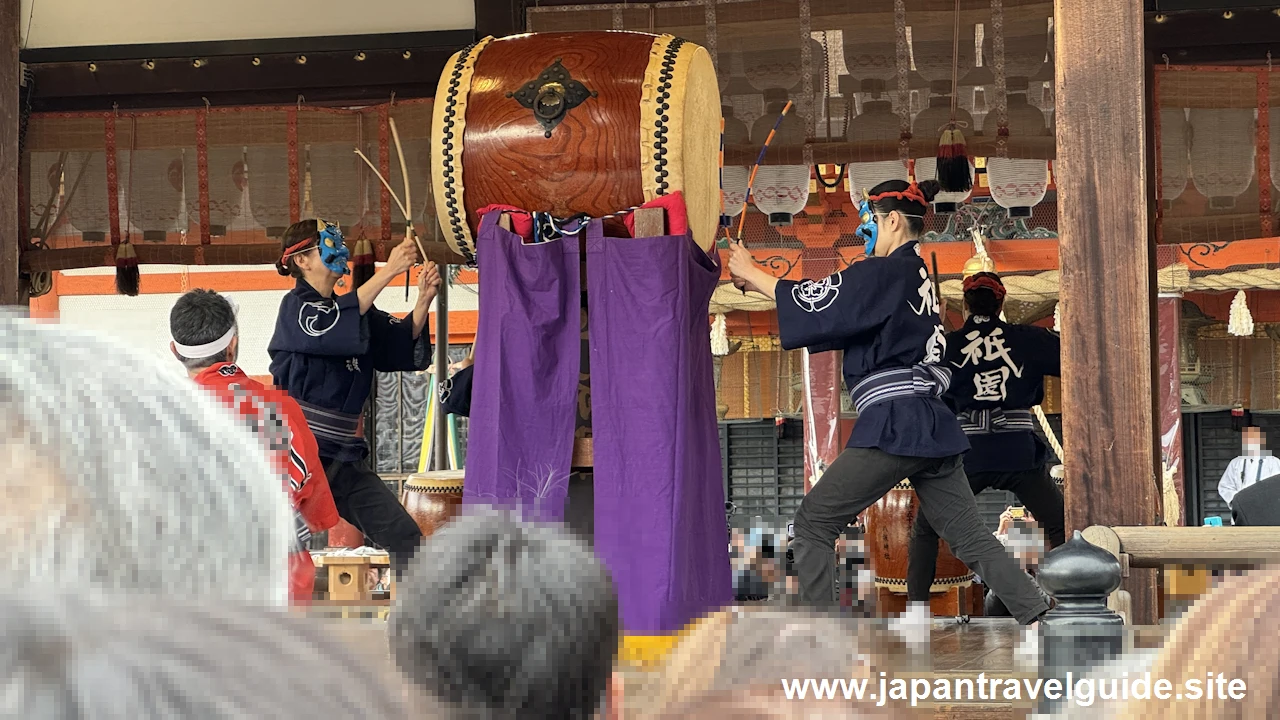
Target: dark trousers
860,477
1035,488
365,501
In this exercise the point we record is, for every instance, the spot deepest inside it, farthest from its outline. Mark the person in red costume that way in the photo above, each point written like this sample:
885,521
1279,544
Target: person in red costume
206,340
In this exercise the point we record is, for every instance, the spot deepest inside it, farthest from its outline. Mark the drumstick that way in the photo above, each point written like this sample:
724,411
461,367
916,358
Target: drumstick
408,201
399,204
751,179
937,291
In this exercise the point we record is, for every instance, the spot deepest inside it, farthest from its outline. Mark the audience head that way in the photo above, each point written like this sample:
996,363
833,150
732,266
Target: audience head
80,656
122,474
502,619
736,649
1231,632
202,324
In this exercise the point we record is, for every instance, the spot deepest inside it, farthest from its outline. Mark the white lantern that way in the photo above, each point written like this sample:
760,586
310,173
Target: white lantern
781,191
229,204
335,182
945,202
154,202
865,176
269,186
1222,153
1175,153
735,179
1017,185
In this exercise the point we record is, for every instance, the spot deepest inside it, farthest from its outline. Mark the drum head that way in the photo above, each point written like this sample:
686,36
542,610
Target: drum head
436,481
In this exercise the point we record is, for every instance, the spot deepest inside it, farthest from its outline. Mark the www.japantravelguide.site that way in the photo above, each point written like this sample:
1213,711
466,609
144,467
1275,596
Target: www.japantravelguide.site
1077,691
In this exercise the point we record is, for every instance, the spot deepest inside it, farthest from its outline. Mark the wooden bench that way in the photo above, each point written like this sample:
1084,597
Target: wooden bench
1159,546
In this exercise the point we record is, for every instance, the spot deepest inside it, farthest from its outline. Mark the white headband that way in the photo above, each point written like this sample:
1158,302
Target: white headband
196,352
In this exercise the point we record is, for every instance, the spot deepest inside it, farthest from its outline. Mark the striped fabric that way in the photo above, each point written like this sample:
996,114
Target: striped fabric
995,420
926,380
330,425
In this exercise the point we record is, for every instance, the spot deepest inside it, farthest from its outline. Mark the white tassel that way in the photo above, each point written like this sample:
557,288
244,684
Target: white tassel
1057,317
1241,322
979,246
719,336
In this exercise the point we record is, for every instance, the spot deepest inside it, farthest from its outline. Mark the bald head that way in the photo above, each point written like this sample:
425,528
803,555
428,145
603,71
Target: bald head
122,474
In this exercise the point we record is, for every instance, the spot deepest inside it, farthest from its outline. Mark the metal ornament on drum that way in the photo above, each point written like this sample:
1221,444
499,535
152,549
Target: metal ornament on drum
433,498
569,123
888,542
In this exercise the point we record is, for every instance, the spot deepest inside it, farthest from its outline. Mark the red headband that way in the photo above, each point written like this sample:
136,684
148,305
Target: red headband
295,248
912,193
985,281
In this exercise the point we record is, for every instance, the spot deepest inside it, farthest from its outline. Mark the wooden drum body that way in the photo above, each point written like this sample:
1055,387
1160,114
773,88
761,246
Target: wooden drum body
579,122
432,499
888,539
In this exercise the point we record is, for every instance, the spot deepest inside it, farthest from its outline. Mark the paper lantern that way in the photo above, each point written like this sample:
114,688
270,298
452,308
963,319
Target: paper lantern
1175,153
154,203
1222,153
335,182
268,172
781,191
88,211
867,175
780,67
229,203
945,202
933,57
1025,119
1275,148
734,179
1017,185
934,118
736,131
790,132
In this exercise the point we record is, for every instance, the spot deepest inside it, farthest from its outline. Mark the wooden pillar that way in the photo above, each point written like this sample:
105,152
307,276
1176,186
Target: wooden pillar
1107,280
1170,334
10,234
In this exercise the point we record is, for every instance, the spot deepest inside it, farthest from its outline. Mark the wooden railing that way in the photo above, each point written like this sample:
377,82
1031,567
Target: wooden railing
1157,547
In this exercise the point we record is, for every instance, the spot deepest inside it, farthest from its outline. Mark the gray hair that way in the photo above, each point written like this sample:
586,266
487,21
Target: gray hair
121,473
122,657
499,619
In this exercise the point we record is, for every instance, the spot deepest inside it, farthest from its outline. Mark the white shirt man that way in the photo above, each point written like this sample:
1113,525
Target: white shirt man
1248,468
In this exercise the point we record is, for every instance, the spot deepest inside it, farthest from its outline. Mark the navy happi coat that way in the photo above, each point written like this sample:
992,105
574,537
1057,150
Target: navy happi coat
883,313
999,366
324,354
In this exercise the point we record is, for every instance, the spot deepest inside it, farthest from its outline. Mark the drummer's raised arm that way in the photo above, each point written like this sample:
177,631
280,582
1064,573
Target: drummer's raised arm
833,309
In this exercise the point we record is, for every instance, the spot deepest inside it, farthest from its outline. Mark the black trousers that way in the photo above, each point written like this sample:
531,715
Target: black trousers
1034,488
366,502
858,478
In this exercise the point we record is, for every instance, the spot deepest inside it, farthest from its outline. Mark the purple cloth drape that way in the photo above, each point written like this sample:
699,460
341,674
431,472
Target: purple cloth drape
659,499
525,383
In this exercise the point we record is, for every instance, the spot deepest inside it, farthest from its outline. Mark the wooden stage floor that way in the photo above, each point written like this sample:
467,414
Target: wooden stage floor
955,651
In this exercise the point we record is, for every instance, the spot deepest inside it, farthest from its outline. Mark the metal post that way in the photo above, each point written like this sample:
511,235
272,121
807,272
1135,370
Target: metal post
441,454
1080,632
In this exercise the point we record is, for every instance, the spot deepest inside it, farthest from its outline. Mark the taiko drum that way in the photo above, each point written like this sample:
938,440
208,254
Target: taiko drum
888,540
578,122
432,499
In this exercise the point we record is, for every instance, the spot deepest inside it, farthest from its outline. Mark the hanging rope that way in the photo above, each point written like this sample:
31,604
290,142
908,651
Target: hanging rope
1049,434
955,64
